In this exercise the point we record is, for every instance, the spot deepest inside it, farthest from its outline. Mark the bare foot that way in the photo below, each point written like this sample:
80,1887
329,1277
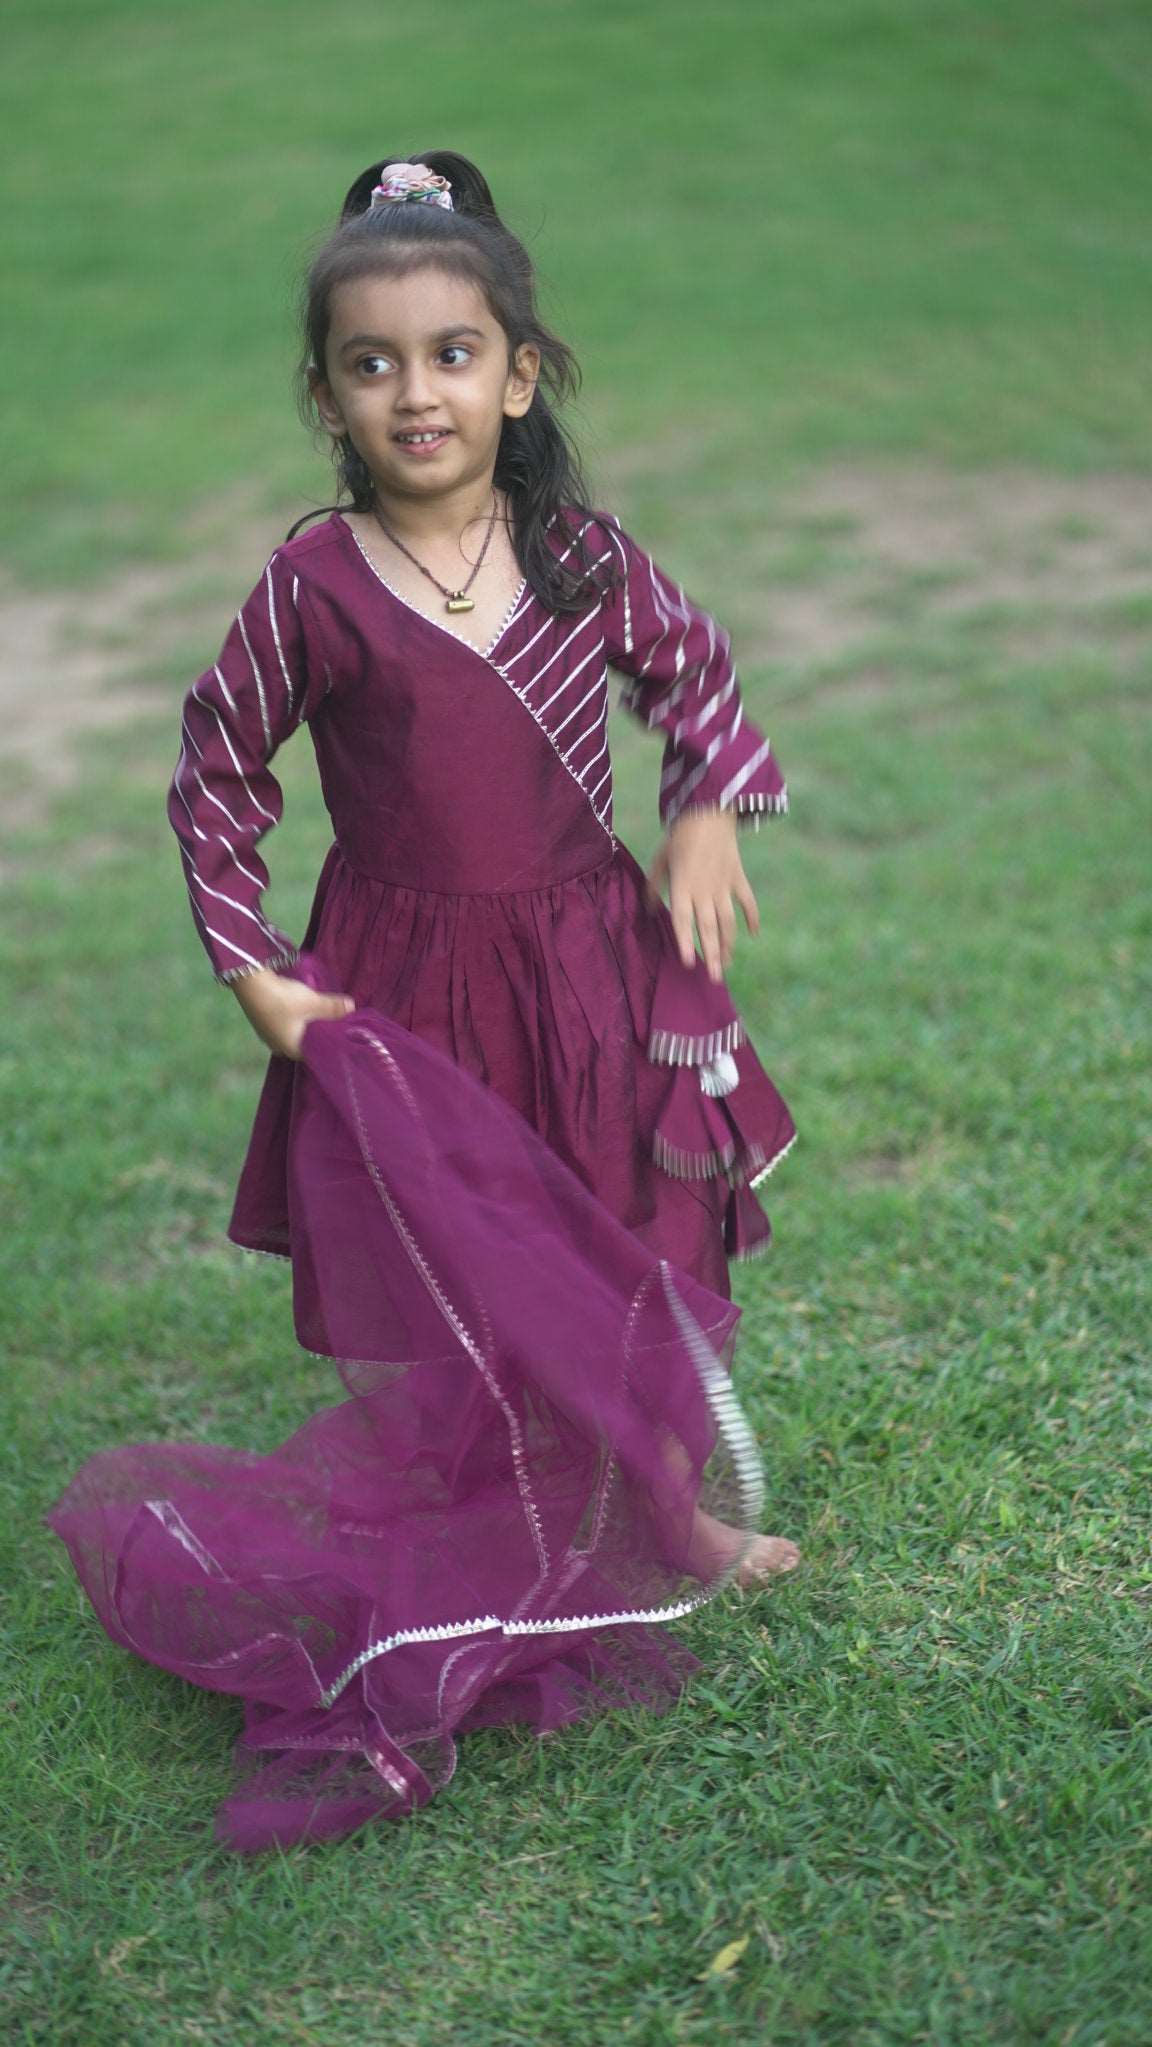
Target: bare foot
768,1557
714,1543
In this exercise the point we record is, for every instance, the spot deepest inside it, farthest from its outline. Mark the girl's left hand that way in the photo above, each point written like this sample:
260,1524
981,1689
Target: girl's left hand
701,862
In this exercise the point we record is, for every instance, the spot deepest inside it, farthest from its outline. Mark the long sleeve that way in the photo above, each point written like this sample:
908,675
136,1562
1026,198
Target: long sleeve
223,796
679,676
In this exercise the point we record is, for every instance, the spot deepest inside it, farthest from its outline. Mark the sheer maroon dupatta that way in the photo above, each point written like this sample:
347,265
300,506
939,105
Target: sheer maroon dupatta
499,1522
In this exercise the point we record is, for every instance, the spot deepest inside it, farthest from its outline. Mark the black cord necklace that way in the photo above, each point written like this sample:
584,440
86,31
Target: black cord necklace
458,600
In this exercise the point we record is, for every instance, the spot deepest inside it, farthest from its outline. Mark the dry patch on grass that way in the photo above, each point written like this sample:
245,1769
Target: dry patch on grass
1007,535
1045,562
74,662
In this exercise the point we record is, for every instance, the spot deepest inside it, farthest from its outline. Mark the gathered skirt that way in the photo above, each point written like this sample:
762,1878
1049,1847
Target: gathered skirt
573,1004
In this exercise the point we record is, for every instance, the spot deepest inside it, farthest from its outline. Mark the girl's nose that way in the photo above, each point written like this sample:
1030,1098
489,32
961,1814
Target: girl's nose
415,392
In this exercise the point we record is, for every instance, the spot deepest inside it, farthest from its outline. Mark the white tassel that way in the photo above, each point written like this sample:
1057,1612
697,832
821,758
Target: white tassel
720,1075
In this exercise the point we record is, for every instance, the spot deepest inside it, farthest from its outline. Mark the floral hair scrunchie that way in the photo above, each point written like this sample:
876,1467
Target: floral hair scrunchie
400,181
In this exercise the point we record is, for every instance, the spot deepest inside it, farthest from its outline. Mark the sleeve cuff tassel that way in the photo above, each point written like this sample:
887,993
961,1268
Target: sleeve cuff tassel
278,959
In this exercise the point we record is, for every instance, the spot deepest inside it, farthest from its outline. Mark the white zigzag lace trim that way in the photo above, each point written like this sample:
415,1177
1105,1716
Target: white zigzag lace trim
774,1162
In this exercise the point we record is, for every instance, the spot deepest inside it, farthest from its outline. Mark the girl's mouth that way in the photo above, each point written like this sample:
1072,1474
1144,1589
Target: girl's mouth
423,443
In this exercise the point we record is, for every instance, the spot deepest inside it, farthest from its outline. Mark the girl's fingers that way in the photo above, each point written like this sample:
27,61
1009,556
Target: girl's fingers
680,910
682,923
747,901
291,1038
712,912
319,1003
726,918
706,925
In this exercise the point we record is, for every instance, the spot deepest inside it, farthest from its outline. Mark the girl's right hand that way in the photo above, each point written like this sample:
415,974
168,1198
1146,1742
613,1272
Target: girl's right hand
278,1007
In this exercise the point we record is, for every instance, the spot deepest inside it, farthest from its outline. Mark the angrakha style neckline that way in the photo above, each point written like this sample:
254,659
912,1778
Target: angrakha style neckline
485,653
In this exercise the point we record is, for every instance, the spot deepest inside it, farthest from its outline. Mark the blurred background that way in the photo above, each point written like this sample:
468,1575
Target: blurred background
862,292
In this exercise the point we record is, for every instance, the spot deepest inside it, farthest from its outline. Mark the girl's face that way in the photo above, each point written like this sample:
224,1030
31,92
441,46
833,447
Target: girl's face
415,354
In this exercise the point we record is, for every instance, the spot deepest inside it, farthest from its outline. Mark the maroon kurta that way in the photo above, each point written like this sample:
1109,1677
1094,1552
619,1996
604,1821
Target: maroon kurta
475,890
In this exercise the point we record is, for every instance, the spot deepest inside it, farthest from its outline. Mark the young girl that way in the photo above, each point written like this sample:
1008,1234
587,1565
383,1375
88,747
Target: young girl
500,1074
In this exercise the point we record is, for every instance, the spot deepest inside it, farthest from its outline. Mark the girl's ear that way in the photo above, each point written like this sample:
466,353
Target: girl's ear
522,380
324,402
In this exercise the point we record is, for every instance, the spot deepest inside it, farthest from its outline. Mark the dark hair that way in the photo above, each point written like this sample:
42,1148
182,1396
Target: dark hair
536,463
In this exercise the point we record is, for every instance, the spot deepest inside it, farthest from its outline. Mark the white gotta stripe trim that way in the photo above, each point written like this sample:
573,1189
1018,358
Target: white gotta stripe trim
562,706
241,777
258,678
212,838
260,922
274,623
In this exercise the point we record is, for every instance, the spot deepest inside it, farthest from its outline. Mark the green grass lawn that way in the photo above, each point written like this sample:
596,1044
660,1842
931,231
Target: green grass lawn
913,1781
847,224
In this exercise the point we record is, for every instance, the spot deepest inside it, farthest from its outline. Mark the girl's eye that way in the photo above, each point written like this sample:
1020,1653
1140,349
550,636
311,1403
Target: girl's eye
452,348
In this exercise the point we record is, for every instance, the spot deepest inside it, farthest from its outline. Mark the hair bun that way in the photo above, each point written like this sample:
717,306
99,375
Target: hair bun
464,187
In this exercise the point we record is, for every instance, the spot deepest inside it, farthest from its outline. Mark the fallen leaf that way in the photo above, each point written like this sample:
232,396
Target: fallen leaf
726,1959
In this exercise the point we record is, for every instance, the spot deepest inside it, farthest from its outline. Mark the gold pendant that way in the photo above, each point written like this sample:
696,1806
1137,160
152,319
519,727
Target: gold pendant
461,603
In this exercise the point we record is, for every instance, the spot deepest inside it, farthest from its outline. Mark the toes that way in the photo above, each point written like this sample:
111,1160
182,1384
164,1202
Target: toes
768,1558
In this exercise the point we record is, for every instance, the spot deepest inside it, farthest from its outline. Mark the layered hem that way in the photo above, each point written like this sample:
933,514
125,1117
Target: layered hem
721,1117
